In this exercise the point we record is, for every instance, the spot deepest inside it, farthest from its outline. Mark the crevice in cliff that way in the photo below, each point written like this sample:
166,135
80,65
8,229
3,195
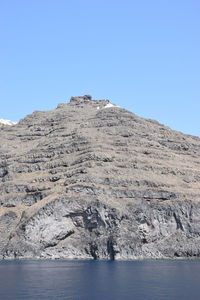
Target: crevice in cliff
178,222
110,249
93,251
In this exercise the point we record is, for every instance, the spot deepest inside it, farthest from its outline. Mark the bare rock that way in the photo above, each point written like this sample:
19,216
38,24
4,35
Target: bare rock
93,180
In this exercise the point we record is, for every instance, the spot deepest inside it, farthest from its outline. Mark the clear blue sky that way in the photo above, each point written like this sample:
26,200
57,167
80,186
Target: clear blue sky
142,55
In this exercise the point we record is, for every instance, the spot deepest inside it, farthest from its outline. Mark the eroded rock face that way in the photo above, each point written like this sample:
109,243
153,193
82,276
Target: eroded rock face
92,180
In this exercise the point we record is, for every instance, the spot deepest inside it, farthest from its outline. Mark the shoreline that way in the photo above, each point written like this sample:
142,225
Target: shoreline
103,260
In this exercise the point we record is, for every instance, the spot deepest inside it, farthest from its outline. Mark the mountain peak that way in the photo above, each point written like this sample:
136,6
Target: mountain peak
81,98
87,99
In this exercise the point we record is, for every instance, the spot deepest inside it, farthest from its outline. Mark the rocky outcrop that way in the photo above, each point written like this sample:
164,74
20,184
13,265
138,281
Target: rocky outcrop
91,180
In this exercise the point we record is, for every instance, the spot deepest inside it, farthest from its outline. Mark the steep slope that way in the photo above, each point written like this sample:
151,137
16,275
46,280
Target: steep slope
92,180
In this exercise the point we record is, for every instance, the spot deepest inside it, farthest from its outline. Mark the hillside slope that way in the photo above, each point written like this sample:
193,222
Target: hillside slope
93,180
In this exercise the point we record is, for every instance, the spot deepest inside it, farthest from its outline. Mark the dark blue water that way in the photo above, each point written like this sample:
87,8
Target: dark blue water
95,280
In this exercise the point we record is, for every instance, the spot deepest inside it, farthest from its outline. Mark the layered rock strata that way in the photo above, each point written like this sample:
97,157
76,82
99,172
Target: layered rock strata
90,180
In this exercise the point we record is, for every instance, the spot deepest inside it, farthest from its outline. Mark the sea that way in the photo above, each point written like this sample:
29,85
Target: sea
100,280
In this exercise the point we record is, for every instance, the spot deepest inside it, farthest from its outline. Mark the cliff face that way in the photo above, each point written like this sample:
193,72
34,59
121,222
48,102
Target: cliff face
92,180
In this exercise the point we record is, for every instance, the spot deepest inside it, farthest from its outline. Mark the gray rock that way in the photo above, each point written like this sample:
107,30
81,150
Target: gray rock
92,180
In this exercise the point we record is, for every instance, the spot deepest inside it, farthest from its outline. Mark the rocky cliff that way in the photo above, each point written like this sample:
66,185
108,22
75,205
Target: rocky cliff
93,180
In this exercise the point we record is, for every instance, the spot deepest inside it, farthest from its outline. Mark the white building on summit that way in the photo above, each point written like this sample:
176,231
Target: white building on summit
7,122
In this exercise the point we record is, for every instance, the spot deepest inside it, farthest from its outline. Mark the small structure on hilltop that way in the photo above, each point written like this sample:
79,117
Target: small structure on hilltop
81,98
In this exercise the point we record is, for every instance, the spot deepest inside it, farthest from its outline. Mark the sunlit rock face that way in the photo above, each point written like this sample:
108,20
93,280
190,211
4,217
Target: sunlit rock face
93,180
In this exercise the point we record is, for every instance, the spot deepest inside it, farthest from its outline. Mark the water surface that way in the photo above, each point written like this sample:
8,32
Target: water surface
109,280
